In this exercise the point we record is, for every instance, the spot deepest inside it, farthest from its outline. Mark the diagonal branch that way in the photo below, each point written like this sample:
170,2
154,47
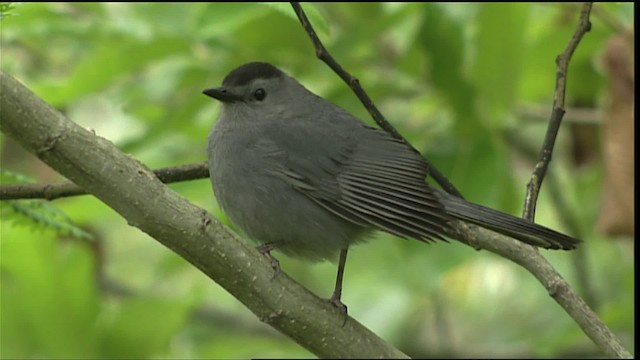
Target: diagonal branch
529,258
133,191
354,84
562,62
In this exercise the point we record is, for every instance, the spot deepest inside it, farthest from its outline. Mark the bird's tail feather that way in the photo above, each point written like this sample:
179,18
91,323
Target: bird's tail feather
509,225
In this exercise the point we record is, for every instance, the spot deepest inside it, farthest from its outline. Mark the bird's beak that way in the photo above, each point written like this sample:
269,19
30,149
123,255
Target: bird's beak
222,94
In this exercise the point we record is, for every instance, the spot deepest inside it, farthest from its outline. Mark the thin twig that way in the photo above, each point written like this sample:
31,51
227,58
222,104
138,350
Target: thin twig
66,189
562,62
354,84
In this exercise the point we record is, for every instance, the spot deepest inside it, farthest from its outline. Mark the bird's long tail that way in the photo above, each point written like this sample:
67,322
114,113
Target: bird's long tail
517,228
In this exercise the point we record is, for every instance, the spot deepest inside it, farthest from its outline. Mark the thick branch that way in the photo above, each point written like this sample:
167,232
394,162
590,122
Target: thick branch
562,62
135,192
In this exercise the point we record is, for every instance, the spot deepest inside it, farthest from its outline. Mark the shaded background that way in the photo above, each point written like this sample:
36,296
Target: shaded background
470,85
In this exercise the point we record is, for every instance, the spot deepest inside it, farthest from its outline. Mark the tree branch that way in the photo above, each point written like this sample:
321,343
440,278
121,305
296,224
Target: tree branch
562,62
135,192
529,258
65,189
354,84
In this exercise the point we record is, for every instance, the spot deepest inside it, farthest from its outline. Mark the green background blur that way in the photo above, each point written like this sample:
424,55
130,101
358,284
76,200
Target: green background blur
470,85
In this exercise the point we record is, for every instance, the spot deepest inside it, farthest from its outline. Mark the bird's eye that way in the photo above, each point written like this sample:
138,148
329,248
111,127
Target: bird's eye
260,94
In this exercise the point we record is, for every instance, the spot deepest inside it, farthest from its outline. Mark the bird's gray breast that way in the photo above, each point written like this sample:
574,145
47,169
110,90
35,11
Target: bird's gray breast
258,175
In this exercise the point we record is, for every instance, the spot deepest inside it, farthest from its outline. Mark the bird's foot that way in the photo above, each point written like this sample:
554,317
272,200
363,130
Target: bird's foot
265,249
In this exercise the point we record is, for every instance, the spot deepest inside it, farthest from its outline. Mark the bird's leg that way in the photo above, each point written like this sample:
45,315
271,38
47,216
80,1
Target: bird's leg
265,249
337,292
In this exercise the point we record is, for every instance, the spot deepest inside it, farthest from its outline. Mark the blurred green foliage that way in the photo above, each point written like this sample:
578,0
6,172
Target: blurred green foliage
451,77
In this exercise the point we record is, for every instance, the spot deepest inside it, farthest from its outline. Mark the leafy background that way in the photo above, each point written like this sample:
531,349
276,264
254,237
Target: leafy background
458,80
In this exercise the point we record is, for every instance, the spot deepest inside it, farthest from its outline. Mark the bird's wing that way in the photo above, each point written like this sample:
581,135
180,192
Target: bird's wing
365,176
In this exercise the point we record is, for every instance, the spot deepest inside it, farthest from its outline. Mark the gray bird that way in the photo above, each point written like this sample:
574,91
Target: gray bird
301,175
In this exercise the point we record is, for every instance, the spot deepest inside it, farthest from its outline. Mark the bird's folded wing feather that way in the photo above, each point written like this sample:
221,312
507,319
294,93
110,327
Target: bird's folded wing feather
364,176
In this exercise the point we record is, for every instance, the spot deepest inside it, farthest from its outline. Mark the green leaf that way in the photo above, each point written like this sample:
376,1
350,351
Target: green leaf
40,214
6,9
442,38
114,58
142,327
319,23
224,18
12,177
500,49
49,303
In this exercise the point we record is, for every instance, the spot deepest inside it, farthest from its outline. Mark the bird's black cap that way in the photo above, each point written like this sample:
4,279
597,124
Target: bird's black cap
240,76
243,74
